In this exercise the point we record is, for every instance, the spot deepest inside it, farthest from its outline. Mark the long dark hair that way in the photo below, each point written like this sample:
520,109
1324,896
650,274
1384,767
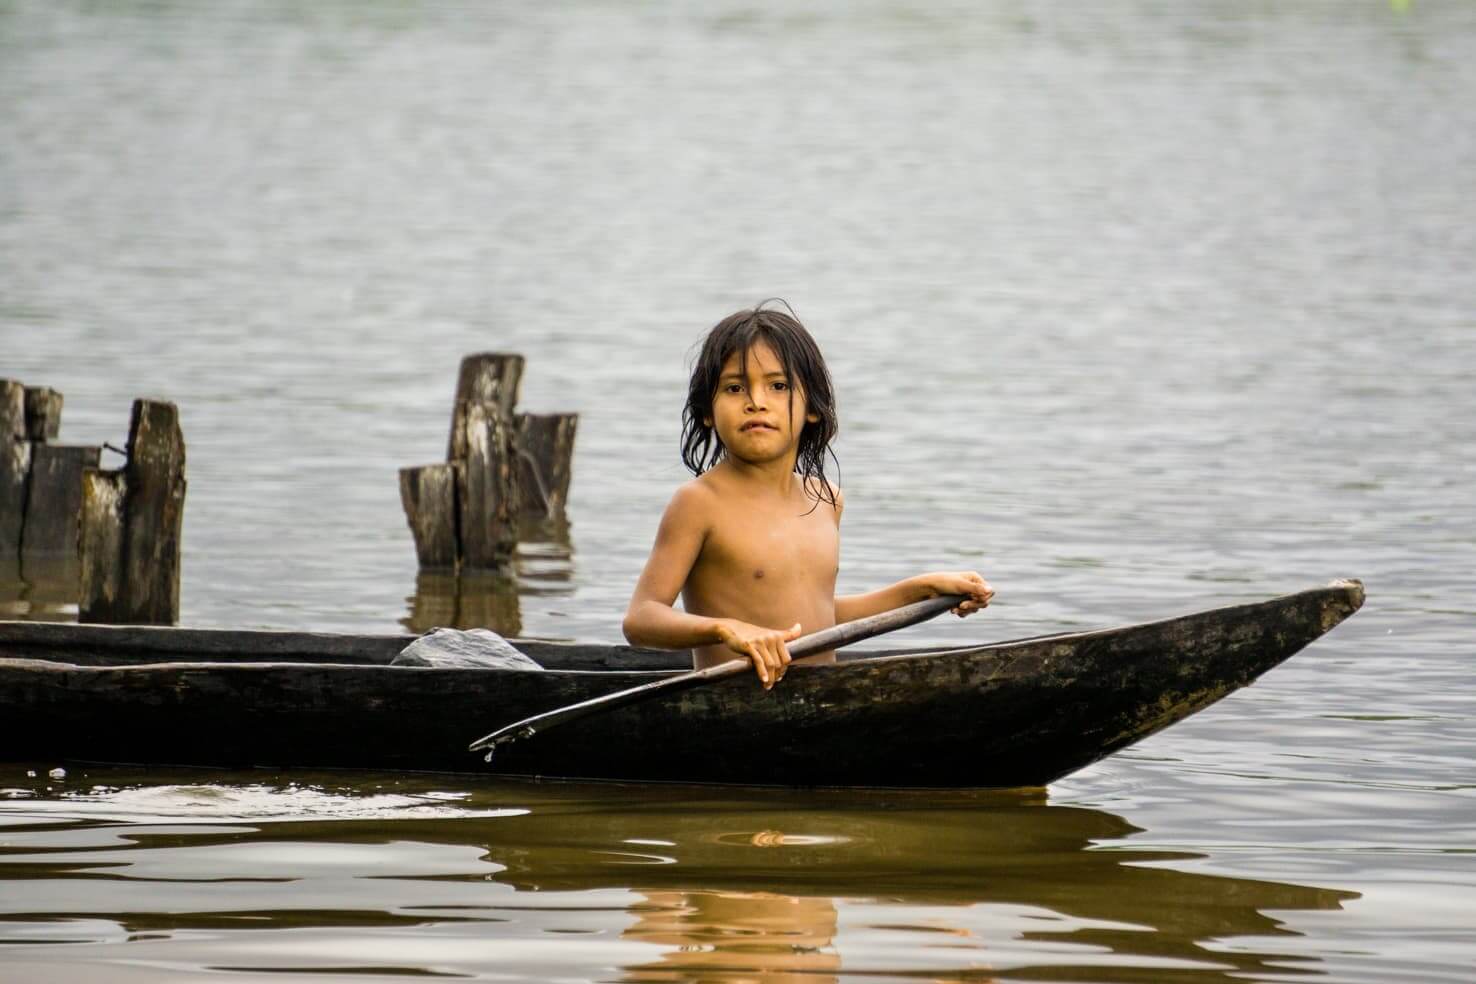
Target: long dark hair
803,363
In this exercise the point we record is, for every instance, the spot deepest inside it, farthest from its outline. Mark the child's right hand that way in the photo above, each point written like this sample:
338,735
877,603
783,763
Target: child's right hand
765,647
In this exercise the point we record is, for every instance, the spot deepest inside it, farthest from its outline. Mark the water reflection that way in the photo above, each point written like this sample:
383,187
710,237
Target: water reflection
751,881
543,565
715,884
708,935
39,589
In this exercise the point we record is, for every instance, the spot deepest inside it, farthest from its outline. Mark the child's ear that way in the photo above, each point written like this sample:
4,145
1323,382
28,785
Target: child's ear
706,421
813,418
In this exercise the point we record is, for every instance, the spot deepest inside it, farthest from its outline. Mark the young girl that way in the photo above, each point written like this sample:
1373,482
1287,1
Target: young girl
753,542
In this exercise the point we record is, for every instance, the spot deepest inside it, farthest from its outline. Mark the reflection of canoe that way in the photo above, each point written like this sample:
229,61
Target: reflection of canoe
1004,714
913,848
916,849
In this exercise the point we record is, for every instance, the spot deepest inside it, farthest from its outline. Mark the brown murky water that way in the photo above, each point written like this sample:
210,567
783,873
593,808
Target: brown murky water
1138,308
385,875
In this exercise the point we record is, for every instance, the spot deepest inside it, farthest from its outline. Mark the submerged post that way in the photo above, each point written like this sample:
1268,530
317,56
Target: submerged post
40,483
100,546
428,494
502,470
545,466
54,502
488,489
15,466
131,524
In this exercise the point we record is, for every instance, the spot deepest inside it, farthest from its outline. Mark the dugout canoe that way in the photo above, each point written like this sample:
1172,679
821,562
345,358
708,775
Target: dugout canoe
1018,713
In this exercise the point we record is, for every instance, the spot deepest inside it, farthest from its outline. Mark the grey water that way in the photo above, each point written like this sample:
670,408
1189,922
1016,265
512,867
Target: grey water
1134,307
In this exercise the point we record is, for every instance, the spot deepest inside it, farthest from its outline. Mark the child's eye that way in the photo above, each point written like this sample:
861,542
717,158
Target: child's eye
732,388
781,385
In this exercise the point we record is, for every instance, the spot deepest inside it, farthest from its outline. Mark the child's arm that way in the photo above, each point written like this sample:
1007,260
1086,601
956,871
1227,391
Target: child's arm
652,621
848,608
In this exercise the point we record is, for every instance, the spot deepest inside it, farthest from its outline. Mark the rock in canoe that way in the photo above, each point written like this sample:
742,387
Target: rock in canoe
1003,714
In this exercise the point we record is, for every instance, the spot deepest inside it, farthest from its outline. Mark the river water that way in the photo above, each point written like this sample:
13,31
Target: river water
1135,307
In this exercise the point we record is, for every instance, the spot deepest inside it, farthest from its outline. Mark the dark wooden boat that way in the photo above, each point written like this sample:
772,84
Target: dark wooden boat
1019,713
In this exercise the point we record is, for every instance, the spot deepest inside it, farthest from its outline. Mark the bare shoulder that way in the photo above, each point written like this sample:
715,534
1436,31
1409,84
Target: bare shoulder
837,496
691,505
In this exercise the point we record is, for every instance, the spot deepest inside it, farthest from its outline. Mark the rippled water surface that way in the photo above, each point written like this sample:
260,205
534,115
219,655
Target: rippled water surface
1137,308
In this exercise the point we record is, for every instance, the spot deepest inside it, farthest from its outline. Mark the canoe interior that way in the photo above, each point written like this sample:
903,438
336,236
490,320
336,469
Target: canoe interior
124,645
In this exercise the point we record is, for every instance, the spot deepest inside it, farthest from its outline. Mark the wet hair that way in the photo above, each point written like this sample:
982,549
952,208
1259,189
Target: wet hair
803,364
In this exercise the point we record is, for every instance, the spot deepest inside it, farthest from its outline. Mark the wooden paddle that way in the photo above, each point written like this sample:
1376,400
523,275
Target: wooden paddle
816,642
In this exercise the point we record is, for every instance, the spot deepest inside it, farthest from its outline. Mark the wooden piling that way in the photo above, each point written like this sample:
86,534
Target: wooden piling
488,490
43,413
100,546
505,473
545,459
485,379
15,466
131,524
428,494
54,501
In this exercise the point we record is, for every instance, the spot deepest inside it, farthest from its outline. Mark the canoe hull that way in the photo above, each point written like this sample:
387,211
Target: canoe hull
1011,714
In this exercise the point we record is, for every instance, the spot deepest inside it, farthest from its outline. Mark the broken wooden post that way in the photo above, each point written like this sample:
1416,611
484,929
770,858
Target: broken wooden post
43,413
488,491
40,492
435,497
40,482
487,379
131,523
502,469
15,466
100,545
429,496
546,454
54,502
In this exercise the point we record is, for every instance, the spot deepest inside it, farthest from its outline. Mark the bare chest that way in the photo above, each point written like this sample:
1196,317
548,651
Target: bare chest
775,551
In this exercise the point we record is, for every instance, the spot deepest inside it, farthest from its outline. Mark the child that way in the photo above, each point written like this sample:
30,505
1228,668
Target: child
753,542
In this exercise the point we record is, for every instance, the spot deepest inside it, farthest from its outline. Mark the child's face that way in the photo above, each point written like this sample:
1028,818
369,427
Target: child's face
758,415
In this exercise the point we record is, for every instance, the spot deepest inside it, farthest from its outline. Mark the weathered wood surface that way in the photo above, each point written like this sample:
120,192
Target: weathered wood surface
131,525
428,494
15,466
545,461
43,413
109,645
100,543
511,473
155,514
488,490
12,410
1007,714
54,500
486,379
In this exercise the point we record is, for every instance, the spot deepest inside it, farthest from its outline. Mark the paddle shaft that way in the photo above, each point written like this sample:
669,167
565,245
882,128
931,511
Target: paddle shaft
816,642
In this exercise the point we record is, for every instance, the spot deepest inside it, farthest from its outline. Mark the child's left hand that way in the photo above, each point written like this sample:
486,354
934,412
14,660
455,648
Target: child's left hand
969,583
